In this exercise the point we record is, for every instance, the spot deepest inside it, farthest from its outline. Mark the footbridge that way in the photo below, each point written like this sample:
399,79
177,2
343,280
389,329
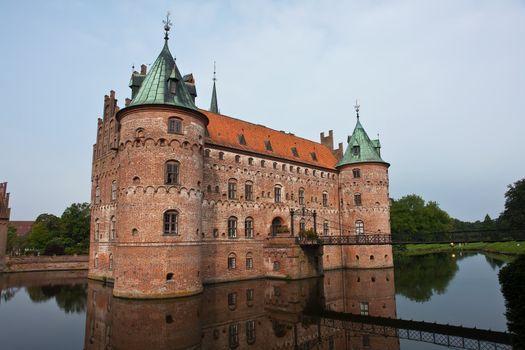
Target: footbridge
440,334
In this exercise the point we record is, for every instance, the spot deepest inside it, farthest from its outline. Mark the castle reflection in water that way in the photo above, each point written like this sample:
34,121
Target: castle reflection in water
256,314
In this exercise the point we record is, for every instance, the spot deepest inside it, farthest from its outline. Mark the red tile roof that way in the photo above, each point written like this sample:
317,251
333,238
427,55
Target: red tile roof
225,131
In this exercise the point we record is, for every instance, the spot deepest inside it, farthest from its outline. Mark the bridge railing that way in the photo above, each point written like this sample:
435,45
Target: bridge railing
365,239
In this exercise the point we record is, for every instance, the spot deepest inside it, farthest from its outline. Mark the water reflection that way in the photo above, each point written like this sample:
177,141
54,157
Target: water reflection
251,314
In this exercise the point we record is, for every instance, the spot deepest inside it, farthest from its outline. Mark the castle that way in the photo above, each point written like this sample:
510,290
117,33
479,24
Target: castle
183,196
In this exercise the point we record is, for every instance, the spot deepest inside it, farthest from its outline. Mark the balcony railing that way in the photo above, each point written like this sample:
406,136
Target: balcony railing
346,240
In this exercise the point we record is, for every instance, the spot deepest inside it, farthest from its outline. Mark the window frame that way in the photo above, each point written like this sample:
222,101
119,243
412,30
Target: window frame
172,176
232,189
248,227
175,125
359,227
277,194
232,261
232,227
248,191
171,222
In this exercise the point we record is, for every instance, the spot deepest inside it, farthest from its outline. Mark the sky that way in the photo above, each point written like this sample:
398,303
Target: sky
441,82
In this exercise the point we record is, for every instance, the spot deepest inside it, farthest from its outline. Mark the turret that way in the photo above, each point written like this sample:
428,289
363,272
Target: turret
160,171
364,197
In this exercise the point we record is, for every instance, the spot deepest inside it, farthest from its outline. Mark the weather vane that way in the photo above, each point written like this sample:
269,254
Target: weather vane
356,107
167,25
214,71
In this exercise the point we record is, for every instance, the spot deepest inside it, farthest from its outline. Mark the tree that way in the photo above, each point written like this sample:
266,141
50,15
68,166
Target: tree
513,216
15,244
411,215
75,223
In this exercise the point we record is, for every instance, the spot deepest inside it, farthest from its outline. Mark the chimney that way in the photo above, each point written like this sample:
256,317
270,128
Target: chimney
143,69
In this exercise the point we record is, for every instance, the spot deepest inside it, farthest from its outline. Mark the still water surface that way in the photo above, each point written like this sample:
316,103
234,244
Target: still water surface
62,310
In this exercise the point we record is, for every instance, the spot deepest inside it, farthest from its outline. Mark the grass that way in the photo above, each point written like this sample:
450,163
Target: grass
511,247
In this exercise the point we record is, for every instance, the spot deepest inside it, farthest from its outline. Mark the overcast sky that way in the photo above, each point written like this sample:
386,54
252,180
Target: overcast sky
441,82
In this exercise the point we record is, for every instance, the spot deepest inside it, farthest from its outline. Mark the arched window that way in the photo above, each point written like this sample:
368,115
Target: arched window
250,332
113,228
111,261
325,228
248,227
175,126
97,229
114,189
232,189
96,261
97,195
301,196
171,173
275,165
248,191
357,199
302,225
171,222
216,189
232,227
232,261
207,153
277,194
359,227
221,155
325,199
139,133
250,161
283,167
356,151
249,261
237,159
233,336
262,163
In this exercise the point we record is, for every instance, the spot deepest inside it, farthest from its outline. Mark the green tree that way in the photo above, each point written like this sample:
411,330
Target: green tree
15,244
411,215
75,224
512,281
513,216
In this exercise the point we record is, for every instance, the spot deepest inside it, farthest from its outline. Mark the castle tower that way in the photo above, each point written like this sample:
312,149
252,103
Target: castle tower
365,206
157,249
5,212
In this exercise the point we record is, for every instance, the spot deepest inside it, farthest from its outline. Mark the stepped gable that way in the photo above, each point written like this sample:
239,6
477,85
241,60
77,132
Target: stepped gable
226,131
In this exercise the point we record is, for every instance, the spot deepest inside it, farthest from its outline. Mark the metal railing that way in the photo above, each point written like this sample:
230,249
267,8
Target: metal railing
346,240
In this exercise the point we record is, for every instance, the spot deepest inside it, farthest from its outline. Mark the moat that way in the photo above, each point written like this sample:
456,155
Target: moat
63,310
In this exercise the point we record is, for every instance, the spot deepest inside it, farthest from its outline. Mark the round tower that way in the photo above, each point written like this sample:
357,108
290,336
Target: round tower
158,251
365,204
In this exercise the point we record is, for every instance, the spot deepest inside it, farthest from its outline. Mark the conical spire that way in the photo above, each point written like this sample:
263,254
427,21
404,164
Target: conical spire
163,83
214,106
361,149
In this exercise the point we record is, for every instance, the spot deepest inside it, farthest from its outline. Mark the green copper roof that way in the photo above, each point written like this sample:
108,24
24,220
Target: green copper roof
361,149
214,107
156,89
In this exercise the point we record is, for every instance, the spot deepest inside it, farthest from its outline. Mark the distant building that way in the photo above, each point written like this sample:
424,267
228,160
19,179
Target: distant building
182,196
5,213
23,228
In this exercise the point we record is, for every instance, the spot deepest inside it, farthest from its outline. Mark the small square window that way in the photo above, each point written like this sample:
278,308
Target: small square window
294,152
268,145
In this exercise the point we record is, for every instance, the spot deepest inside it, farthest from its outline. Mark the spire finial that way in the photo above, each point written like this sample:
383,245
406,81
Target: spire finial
356,107
214,71
167,26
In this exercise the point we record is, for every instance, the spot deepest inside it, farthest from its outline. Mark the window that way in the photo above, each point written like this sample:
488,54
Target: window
248,191
249,294
250,161
97,229
221,155
97,195
232,227
232,189
325,228
359,227
96,261
217,189
283,167
275,165
294,152
172,172
277,194
175,125
232,262
250,332
248,227
268,145
173,87
208,189
113,230
263,163
242,140
207,153
325,199
301,196
276,266
237,159
233,336
111,261
114,190
357,199
302,225
171,218
249,261
232,300
363,308
314,156
356,172
356,151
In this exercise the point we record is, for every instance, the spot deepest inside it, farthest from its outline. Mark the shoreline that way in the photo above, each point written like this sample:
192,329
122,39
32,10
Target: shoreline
512,248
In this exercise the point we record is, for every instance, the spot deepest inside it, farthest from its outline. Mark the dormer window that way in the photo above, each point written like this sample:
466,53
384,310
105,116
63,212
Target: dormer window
356,151
294,152
268,145
173,87
242,140
314,156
